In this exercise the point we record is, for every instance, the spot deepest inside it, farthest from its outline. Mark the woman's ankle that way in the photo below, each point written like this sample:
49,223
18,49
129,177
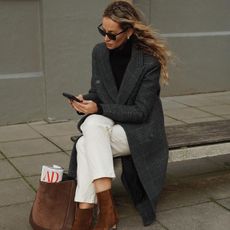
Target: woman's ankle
85,205
102,184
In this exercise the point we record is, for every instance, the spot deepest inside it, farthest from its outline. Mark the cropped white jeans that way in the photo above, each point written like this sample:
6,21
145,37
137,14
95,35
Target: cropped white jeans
102,139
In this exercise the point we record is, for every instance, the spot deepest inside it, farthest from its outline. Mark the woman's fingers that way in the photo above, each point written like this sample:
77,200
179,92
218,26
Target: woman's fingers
77,106
87,106
80,97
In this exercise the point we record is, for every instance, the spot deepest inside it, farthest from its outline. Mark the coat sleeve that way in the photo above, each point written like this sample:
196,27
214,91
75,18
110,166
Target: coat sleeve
148,93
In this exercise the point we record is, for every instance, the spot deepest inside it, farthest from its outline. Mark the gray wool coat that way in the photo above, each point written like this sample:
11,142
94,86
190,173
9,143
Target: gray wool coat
137,108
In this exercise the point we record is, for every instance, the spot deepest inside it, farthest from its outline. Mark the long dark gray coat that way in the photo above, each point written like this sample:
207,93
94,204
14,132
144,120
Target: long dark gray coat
137,108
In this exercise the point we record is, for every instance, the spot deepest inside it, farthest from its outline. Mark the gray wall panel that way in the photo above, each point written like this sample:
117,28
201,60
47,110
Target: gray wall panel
144,8
20,37
46,49
21,75
69,35
198,32
201,65
21,100
190,16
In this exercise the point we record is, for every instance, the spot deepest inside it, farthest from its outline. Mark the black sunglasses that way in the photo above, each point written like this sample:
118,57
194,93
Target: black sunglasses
109,35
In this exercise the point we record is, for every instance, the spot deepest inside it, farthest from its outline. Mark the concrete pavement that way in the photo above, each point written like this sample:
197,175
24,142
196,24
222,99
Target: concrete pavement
196,195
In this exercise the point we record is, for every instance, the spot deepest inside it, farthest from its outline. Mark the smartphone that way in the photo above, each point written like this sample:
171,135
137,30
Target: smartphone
71,97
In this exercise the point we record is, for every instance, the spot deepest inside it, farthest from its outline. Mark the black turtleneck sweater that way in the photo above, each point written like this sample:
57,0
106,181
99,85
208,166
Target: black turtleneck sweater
119,59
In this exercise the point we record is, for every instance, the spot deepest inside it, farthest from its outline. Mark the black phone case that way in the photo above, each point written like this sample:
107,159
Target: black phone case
71,97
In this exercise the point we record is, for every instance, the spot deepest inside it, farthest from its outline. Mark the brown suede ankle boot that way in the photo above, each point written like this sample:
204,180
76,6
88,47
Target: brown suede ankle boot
83,219
107,218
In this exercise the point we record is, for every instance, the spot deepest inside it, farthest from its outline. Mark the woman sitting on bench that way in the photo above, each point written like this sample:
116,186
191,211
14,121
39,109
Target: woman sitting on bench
123,117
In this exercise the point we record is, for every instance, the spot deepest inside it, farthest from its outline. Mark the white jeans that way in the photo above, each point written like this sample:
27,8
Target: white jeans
101,140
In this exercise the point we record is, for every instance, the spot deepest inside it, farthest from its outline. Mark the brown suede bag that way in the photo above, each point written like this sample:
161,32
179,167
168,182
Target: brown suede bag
54,206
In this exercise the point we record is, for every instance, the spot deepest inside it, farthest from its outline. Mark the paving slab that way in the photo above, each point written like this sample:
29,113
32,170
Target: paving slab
192,167
31,165
34,181
207,216
15,191
195,100
42,122
27,147
17,132
170,104
223,160
185,114
225,203
68,152
223,93
63,142
15,217
179,195
187,201
57,129
125,206
217,110
1,156
203,119
215,186
221,98
135,223
122,199
7,171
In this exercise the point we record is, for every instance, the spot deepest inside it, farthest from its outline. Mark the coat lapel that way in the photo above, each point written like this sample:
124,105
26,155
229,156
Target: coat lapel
131,76
107,75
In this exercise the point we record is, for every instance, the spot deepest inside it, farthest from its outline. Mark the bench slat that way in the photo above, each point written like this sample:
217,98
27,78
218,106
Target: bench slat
198,134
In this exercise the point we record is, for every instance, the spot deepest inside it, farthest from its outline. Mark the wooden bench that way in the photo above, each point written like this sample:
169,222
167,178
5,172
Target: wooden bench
198,140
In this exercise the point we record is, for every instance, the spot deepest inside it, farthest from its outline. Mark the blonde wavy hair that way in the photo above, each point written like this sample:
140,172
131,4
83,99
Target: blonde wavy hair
128,16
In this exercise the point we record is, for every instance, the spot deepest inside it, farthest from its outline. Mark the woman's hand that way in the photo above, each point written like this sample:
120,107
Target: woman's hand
86,106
